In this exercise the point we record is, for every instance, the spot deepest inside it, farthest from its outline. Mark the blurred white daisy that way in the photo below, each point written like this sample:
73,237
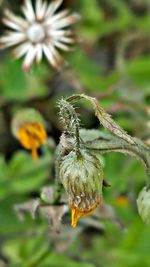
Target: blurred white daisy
41,32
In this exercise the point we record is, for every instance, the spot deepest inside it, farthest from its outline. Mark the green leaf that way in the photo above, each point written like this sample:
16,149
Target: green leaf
15,84
23,174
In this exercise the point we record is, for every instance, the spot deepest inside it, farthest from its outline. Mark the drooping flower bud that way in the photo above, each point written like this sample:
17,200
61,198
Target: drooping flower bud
82,179
143,204
28,127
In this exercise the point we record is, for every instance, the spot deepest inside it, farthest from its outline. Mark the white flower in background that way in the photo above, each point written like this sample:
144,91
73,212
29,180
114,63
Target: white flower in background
41,32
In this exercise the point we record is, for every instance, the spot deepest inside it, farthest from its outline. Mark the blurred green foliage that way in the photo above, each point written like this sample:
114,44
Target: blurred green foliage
112,62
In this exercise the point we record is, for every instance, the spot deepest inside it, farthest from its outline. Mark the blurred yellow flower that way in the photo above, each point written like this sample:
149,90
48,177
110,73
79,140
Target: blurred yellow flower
28,127
32,136
122,201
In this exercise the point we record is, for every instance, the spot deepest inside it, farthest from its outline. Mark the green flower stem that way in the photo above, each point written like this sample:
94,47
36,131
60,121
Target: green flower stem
70,122
139,150
57,185
104,118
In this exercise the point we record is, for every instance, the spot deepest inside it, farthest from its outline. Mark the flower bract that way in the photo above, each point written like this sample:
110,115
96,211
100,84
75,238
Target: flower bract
82,179
143,204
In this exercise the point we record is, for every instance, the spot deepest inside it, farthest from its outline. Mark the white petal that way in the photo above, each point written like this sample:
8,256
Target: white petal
60,33
53,7
56,55
7,44
54,18
40,9
62,46
39,53
11,36
28,11
11,24
64,39
12,39
21,23
30,56
49,55
22,49
65,22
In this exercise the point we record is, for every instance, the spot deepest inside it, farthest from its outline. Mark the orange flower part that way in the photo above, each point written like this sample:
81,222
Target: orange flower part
122,201
32,136
77,212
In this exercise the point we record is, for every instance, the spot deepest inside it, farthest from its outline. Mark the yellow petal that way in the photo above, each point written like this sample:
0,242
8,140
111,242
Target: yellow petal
32,136
77,212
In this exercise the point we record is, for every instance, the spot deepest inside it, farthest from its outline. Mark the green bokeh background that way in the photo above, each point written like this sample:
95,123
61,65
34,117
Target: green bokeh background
112,62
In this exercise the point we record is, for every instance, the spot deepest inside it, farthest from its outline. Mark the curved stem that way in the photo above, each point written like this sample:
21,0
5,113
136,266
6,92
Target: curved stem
122,142
104,118
140,150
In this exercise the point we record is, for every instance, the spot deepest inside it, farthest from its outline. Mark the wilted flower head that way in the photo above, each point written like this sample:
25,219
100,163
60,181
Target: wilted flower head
143,204
82,179
42,31
29,128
